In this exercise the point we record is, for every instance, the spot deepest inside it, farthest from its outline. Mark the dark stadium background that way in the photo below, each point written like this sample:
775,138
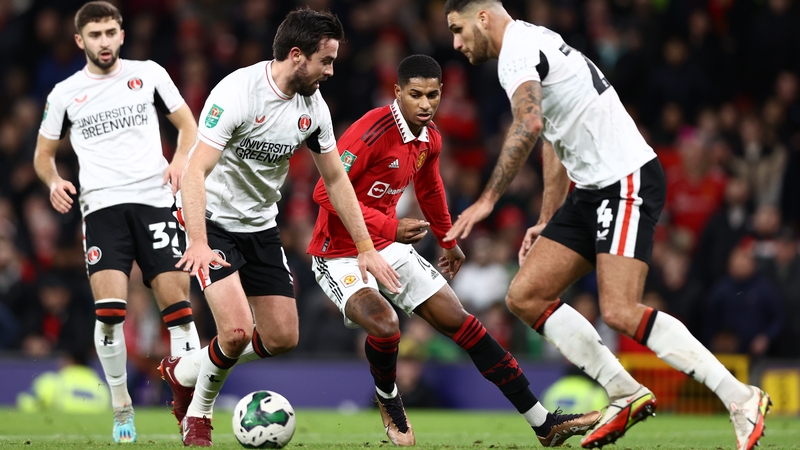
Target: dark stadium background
713,86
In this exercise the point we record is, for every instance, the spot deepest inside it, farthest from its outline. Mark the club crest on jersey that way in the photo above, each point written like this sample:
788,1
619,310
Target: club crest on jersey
135,84
304,123
215,265
421,158
212,118
93,255
347,160
349,279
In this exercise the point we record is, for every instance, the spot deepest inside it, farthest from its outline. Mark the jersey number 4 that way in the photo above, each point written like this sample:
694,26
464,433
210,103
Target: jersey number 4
600,82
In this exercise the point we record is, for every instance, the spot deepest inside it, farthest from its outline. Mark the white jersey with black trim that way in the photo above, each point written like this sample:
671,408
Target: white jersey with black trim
257,128
592,133
114,132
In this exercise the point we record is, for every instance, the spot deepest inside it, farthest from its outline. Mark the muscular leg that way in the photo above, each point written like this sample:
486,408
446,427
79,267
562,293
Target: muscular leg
376,316
548,270
277,326
621,282
172,294
234,321
110,289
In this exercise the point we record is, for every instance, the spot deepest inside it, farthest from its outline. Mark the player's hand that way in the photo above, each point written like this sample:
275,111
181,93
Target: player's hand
174,172
411,231
59,195
199,256
530,237
467,219
371,261
452,260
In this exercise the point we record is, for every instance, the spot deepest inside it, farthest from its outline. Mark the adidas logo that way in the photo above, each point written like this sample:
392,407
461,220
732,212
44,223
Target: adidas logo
434,274
395,164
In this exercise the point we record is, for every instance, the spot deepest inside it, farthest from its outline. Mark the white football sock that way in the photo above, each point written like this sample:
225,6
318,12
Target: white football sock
109,341
206,389
189,366
579,342
392,394
672,342
536,415
183,339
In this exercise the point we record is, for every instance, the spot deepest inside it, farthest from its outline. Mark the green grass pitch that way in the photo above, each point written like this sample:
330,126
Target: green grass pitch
439,429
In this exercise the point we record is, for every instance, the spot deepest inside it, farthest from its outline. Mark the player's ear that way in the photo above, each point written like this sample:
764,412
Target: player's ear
121,37
79,41
295,54
397,91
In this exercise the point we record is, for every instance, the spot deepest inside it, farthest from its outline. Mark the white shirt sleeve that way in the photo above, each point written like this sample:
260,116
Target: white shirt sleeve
166,89
52,126
326,138
225,110
518,60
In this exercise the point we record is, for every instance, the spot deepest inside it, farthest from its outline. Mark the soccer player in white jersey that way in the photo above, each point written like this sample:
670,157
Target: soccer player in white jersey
253,122
109,109
607,222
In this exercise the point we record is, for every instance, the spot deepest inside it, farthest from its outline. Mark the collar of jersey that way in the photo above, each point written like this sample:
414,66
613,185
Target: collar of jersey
274,85
400,121
95,76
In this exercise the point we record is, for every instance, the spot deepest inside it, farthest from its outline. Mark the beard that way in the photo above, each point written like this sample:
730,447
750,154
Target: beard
480,51
95,59
302,83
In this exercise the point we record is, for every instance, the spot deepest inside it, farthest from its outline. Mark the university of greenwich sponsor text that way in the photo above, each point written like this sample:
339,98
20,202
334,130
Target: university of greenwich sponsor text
104,122
271,152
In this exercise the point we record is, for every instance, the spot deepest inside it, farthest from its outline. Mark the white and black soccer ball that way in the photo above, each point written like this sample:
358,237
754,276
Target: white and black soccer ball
263,419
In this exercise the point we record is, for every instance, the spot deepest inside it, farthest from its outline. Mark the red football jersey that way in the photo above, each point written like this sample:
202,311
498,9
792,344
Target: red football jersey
382,157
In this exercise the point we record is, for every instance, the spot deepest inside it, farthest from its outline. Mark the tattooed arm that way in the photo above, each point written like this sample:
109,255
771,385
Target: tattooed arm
526,108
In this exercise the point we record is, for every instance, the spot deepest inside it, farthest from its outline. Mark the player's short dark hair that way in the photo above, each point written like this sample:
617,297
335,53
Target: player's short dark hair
418,66
461,5
96,12
304,28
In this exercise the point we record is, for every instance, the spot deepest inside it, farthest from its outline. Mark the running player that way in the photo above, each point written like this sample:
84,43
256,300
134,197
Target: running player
255,119
109,109
607,222
383,152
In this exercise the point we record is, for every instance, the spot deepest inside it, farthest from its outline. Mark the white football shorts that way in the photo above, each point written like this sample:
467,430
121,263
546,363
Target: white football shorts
340,278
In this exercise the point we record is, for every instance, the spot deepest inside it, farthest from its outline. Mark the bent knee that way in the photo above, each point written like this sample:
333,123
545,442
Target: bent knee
282,343
233,341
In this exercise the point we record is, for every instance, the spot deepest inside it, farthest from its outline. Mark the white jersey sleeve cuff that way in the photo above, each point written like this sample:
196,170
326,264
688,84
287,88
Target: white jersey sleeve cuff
513,87
210,141
49,135
177,106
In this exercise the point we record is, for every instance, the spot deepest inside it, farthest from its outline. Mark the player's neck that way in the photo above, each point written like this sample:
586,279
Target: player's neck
500,25
281,72
95,70
414,129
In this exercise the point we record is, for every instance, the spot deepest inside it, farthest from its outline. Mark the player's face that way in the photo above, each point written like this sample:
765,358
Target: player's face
419,100
315,68
468,38
101,42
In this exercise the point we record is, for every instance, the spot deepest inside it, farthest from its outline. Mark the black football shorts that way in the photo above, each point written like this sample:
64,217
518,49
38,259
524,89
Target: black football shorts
115,236
619,219
258,256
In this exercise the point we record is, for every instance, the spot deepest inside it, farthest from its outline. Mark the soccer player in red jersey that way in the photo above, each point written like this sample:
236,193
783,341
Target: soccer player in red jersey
383,152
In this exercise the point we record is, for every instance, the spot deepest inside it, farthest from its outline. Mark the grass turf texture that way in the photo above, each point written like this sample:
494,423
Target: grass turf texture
438,429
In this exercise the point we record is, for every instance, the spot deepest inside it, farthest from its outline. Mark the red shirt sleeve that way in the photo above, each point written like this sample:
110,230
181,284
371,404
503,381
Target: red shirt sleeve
431,196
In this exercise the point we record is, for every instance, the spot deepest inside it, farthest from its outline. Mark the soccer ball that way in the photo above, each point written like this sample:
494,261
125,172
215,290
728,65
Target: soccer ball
263,419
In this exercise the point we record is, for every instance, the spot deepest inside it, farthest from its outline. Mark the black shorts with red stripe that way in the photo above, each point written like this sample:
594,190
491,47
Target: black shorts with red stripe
258,257
619,219
117,235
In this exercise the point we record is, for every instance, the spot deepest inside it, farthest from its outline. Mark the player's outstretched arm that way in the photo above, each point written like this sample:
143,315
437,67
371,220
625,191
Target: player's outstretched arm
44,162
556,187
526,108
187,134
343,198
198,255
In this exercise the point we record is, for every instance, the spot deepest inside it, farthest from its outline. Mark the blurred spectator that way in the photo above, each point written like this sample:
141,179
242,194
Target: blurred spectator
483,279
759,160
783,269
745,313
416,391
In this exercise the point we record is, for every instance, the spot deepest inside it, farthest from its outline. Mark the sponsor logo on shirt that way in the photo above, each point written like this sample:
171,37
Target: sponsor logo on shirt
98,124
81,100
395,164
304,123
379,189
260,120
347,160
135,84
349,279
93,255
212,118
421,158
271,152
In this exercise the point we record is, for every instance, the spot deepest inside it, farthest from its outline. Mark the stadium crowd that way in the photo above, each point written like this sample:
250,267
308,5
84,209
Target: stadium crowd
713,86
